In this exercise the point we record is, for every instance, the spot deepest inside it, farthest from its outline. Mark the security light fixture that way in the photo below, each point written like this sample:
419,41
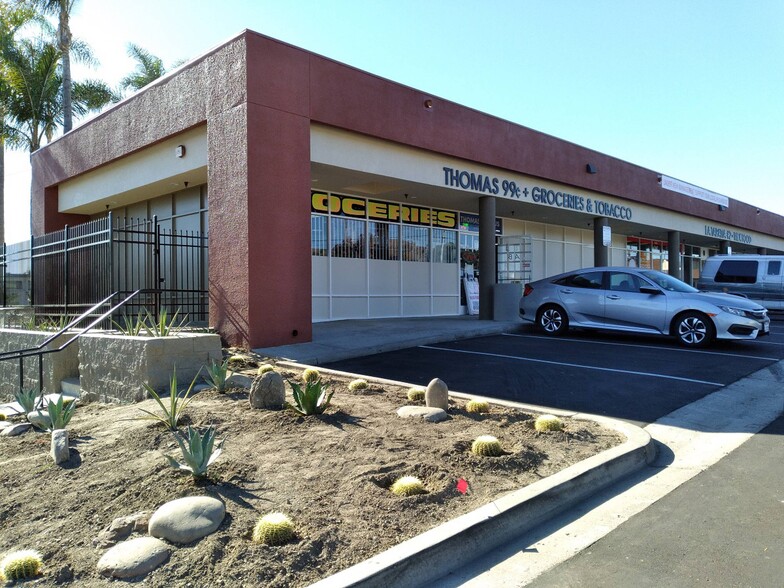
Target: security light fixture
428,104
179,151
590,168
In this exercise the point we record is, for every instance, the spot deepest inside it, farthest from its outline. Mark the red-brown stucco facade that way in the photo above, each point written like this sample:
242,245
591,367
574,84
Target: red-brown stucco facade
258,98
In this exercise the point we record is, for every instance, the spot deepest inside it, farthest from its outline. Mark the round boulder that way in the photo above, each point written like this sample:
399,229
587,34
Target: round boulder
268,391
437,394
133,558
187,519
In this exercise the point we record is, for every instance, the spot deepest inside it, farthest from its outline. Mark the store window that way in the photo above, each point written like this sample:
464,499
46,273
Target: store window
646,253
318,235
384,241
415,243
444,248
347,238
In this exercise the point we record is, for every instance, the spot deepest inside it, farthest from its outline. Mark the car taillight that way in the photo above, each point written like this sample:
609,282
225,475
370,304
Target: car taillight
527,290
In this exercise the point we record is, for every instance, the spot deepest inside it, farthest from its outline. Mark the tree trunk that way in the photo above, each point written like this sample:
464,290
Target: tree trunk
2,190
64,38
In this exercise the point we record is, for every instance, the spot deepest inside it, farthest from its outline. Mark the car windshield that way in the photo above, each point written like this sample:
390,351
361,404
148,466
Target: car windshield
667,282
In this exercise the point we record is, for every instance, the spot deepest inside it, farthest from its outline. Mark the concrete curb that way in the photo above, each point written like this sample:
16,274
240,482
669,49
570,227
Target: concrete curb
449,546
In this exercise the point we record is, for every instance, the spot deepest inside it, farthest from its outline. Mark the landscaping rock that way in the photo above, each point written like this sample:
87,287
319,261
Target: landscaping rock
16,429
187,519
6,424
59,451
40,419
437,394
121,528
427,413
268,391
132,558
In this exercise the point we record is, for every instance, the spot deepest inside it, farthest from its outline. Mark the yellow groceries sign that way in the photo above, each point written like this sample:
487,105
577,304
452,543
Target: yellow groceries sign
355,207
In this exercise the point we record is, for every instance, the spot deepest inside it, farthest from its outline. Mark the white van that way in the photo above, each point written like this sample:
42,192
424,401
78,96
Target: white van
758,277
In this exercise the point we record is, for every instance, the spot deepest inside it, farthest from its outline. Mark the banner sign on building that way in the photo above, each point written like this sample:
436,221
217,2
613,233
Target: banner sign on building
353,206
687,189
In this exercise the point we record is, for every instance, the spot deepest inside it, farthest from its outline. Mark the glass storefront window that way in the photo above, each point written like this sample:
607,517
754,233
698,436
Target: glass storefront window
384,241
415,243
444,246
347,238
318,235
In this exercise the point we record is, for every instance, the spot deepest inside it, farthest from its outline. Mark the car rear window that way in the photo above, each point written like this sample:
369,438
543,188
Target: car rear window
737,272
592,280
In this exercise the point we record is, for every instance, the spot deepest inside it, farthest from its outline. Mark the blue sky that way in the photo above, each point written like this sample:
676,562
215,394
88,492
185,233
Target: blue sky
692,89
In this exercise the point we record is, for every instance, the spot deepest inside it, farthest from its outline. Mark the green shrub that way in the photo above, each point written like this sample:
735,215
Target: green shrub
356,385
416,394
174,412
199,452
314,399
21,565
477,406
218,374
487,445
548,422
408,486
274,528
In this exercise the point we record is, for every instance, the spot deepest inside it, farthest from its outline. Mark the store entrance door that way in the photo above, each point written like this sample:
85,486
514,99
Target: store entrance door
469,272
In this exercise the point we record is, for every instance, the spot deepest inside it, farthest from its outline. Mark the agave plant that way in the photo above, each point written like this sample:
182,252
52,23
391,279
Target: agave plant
163,325
60,413
218,374
131,327
198,451
26,399
171,414
314,399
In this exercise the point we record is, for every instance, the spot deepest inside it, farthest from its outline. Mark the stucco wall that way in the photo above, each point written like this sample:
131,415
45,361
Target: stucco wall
56,366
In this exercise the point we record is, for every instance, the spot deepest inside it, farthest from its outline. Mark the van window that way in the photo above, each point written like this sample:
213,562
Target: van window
737,272
774,268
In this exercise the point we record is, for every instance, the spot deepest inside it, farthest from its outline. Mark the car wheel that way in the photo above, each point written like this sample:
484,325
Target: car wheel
694,329
552,320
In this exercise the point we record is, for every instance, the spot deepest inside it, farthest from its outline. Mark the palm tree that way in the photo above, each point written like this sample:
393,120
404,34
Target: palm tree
62,10
12,18
34,102
148,69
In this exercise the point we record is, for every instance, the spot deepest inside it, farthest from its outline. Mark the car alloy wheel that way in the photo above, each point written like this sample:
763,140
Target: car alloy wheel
552,320
694,330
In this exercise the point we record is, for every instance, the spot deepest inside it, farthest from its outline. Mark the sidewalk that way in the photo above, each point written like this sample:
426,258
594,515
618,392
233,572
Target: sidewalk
338,340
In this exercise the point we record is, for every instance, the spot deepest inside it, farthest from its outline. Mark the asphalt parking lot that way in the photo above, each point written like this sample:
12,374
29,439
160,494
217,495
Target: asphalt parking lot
635,378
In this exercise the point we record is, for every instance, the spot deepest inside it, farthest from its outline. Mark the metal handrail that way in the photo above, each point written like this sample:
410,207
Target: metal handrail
40,352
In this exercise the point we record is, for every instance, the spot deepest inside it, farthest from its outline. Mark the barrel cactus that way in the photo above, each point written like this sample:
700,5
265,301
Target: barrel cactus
358,385
477,406
21,565
548,422
487,445
274,528
310,375
264,368
408,486
416,394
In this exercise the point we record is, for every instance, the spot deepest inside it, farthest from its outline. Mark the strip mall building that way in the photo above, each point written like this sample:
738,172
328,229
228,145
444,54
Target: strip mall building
330,193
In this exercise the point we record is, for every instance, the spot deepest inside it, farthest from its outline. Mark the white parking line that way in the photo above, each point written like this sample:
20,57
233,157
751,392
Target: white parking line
574,365
677,349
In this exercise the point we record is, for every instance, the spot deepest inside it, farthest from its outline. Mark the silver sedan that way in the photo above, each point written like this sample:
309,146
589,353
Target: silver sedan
636,300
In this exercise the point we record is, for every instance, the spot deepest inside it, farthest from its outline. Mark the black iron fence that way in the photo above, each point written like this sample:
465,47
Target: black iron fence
64,273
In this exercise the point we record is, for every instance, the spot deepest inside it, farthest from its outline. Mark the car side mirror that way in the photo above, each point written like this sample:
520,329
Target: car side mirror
650,290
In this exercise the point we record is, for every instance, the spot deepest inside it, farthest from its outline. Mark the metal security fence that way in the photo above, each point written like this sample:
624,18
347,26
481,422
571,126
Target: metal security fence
66,272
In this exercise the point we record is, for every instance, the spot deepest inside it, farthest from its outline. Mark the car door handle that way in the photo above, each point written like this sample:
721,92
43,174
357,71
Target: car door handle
567,291
613,297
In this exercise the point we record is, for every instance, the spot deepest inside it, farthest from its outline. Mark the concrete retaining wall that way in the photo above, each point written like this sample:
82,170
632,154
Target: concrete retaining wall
113,367
56,366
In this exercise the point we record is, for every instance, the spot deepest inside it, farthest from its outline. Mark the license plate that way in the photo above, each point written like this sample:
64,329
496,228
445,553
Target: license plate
765,327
